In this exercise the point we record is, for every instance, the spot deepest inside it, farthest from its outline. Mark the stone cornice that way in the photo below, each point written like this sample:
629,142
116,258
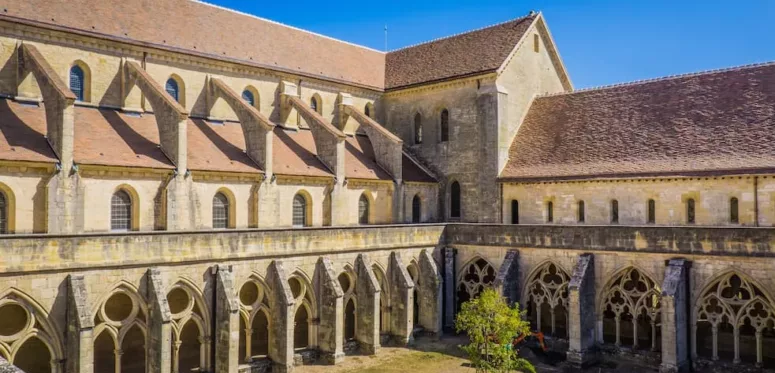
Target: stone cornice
451,83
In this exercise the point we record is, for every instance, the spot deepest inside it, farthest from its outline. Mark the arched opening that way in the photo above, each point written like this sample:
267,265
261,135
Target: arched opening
444,125
631,311
417,129
300,211
104,353
582,212
301,328
3,213
549,212
316,103
133,351
384,299
476,276
734,215
250,95
221,211
416,209
172,86
652,218
189,353
363,210
368,109
78,82
454,200
690,211
614,211
349,320
33,357
259,338
121,211
514,211
548,299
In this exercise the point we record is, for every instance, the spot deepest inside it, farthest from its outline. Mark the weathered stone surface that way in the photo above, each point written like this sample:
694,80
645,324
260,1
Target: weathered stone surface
430,292
226,322
507,279
80,337
281,325
367,294
159,326
330,311
581,310
402,301
675,320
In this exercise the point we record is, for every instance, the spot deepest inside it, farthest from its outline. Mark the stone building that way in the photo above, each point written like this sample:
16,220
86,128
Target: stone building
243,195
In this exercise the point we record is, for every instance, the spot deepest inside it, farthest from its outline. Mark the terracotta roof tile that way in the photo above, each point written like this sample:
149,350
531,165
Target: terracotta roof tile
218,32
218,147
716,122
359,161
22,133
478,51
295,154
413,173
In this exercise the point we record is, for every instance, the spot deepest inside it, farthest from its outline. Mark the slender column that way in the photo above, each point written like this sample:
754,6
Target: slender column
634,333
203,352
736,333
538,316
653,335
176,357
551,311
618,330
714,329
117,356
758,348
248,344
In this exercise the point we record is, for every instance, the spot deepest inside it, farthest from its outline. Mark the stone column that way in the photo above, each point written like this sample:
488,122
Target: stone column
367,293
449,288
226,322
80,338
675,317
282,312
330,312
402,300
581,312
430,294
507,279
159,325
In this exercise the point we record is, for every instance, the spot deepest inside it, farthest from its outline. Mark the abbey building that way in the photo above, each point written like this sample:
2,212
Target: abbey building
243,196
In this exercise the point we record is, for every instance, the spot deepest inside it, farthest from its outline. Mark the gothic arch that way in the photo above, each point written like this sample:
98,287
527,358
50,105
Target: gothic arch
186,303
10,208
86,93
255,299
231,218
256,96
630,309
475,276
305,303
134,199
121,311
31,324
545,297
384,296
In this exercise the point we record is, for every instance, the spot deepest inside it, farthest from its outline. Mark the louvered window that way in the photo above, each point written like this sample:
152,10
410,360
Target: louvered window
121,211
690,211
416,209
363,210
3,214
172,89
248,97
220,211
77,82
299,211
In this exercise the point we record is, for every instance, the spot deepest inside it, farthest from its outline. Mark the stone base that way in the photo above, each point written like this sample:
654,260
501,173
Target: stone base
368,349
305,357
669,368
331,358
257,366
582,359
281,368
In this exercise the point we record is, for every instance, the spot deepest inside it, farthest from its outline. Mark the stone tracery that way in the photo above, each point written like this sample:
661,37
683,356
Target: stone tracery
631,310
121,332
255,311
26,338
548,299
476,276
190,328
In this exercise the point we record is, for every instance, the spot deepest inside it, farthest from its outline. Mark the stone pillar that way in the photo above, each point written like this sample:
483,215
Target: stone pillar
367,295
581,312
493,126
226,322
159,325
507,279
330,312
429,284
402,300
80,326
281,324
675,317
449,288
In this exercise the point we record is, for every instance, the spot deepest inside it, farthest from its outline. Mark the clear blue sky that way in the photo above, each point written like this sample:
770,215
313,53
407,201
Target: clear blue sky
601,42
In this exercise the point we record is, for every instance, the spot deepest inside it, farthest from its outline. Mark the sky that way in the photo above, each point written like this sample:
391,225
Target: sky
601,42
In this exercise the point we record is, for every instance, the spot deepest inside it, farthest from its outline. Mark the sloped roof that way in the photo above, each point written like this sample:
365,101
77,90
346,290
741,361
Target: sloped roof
294,153
218,147
22,133
474,52
199,28
411,172
707,123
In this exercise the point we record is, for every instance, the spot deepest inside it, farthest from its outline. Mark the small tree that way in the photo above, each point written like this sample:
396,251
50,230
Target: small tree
491,326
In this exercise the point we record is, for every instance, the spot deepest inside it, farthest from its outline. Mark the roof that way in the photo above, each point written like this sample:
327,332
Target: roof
412,172
22,133
360,162
219,33
470,53
294,153
218,147
717,122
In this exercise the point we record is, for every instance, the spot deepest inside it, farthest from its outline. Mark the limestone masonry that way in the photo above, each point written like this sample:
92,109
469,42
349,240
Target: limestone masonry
244,196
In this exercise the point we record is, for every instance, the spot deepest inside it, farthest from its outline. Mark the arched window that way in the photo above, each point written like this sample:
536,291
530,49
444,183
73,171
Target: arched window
652,218
734,216
367,110
690,211
313,103
444,125
248,96
300,211
77,82
582,213
514,211
536,43
3,214
454,200
549,212
631,311
416,208
417,129
363,210
172,89
121,211
220,211
614,211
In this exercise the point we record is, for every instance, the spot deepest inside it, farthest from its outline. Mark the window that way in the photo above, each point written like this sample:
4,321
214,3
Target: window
249,97
77,84
313,103
172,89
417,129
652,212
121,211
454,200
363,210
3,214
514,211
734,216
536,43
416,206
444,125
220,211
367,110
614,211
549,212
690,211
299,211
581,212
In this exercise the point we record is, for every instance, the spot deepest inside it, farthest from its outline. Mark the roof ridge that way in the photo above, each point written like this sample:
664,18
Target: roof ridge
531,14
662,78
203,2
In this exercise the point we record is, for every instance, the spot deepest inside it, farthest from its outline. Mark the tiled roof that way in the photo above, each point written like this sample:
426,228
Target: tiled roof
474,52
218,147
200,28
294,154
707,123
22,133
359,161
411,172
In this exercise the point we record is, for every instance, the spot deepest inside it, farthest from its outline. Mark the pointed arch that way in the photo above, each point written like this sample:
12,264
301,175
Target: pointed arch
475,275
7,210
251,96
365,202
418,132
125,208
630,309
80,80
176,88
316,103
224,209
545,297
28,322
